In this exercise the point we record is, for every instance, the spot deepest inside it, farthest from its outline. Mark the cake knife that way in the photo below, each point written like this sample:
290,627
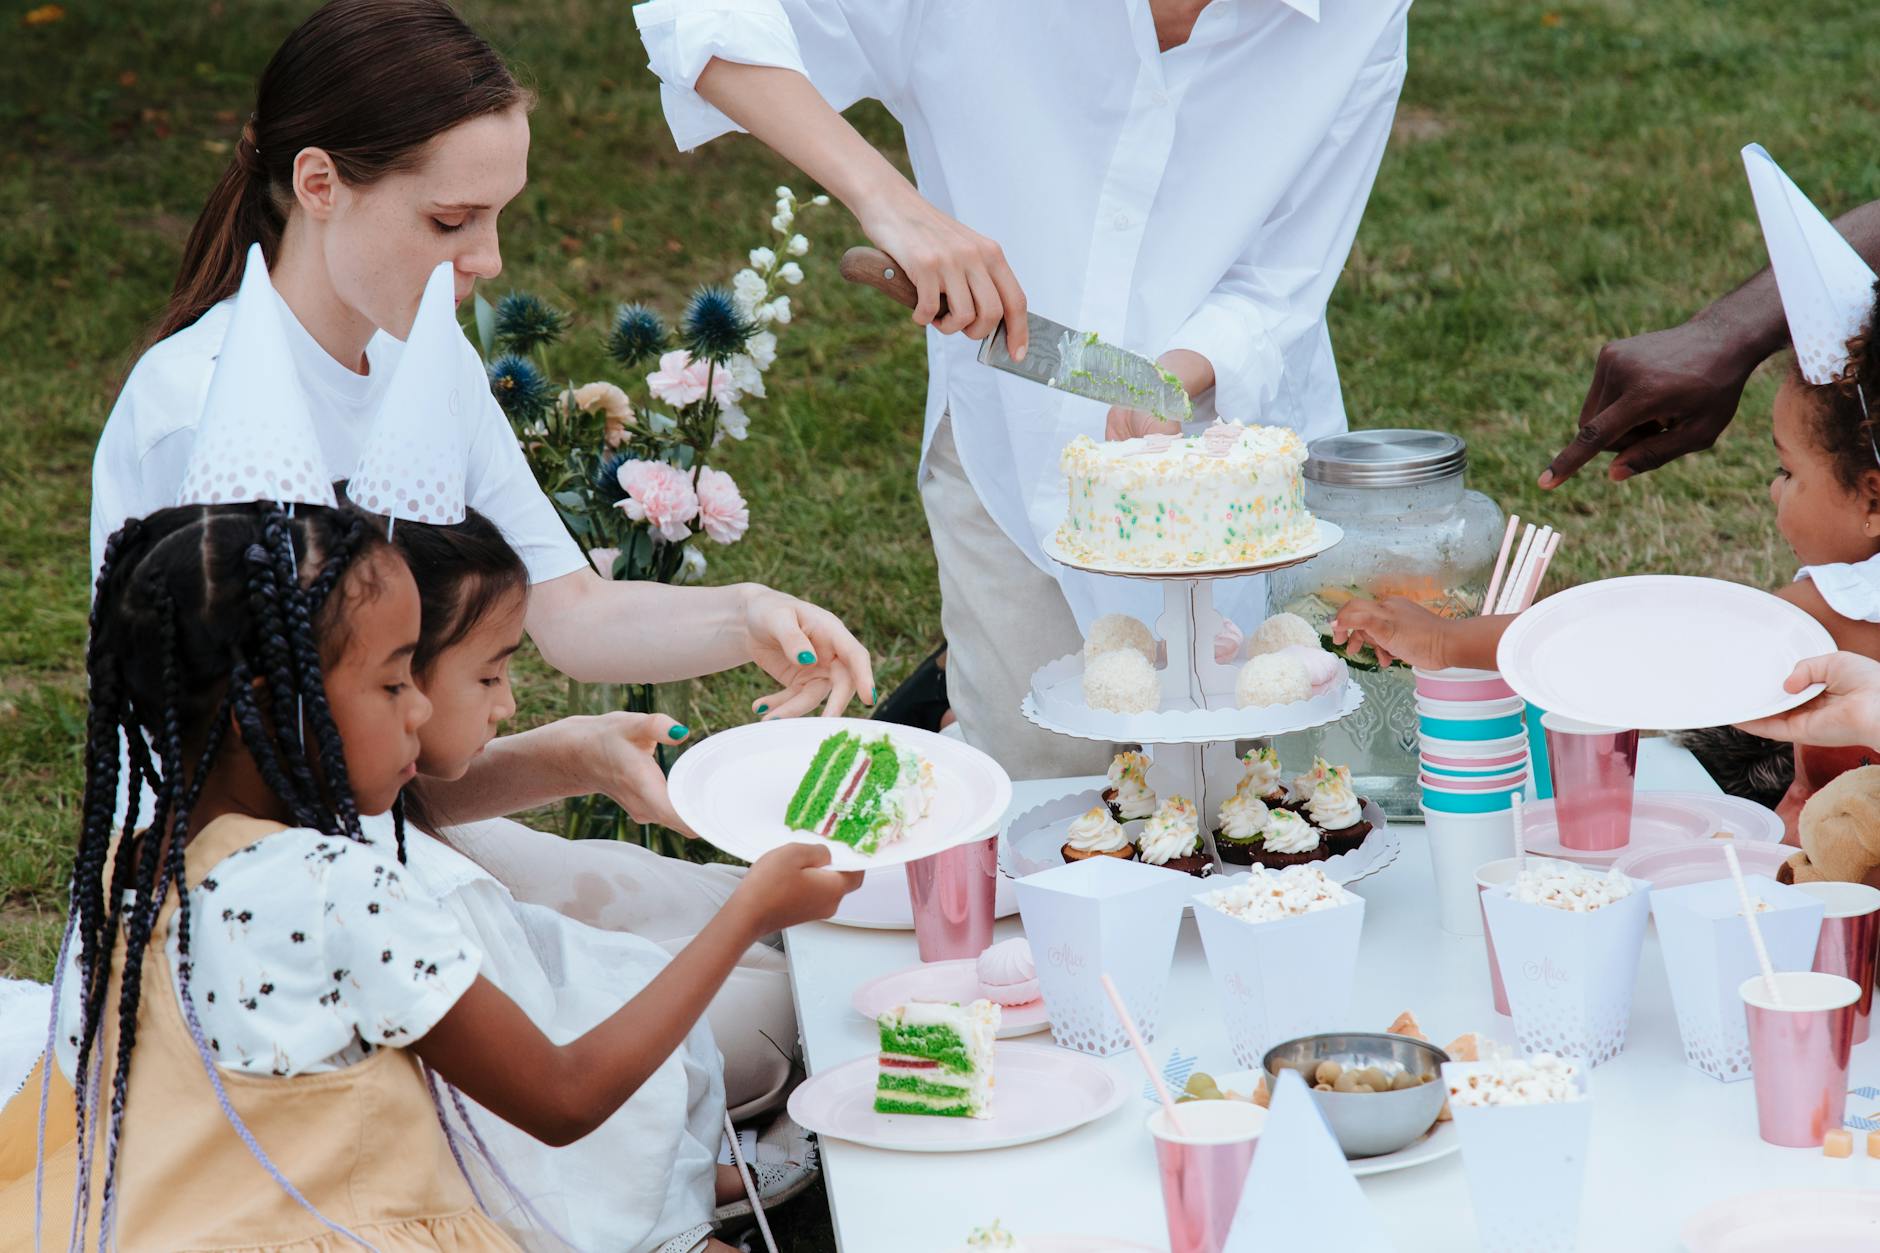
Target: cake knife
1059,357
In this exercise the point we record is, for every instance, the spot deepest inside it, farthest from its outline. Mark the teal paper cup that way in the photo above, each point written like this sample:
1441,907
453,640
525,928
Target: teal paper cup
1470,802
1537,750
1479,729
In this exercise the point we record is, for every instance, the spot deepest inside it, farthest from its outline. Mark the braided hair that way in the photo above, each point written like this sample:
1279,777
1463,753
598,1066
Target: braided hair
1846,411
196,608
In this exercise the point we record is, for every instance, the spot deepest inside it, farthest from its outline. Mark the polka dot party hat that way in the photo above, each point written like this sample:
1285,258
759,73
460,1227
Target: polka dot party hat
413,464
1827,290
255,440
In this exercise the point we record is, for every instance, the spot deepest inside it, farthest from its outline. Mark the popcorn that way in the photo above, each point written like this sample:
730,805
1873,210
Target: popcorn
1565,885
1542,1079
1268,895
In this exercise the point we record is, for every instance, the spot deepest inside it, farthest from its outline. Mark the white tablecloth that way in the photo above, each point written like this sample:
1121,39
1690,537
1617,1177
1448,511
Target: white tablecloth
1667,1140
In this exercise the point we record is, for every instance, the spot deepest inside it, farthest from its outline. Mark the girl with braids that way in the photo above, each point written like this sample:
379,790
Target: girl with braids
252,930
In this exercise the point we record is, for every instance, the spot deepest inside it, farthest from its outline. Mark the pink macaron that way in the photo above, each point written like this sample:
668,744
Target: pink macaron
1007,973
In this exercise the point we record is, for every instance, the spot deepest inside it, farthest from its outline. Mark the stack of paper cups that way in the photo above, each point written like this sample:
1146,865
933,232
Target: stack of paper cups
1708,954
1474,758
1526,1167
1102,915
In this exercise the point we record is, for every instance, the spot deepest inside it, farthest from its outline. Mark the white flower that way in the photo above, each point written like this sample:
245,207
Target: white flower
819,201
781,222
784,193
763,349
762,259
745,376
780,310
797,246
791,272
748,290
732,422
691,565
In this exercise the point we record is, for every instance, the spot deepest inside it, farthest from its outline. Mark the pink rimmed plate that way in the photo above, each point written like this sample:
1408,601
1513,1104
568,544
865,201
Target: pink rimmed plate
733,787
1043,1091
1658,819
956,981
1699,861
1821,1220
882,904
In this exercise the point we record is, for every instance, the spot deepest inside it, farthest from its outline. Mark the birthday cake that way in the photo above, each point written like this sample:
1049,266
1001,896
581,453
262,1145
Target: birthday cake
1232,495
936,1059
863,793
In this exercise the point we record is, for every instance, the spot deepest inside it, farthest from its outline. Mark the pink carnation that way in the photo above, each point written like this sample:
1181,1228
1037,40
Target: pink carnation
660,494
681,380
722,511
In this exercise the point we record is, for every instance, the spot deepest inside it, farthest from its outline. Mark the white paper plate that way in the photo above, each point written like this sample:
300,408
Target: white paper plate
733,787
1661,652
1324,536
1658,818
956,981
882,902
1699,861
1056,703
1780,1220
1043,1091
1439,1141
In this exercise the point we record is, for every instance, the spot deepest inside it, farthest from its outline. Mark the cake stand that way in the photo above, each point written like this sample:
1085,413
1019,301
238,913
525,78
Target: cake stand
1197,726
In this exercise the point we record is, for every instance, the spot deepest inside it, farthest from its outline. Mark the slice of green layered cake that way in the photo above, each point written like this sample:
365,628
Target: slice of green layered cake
863,793
936,1058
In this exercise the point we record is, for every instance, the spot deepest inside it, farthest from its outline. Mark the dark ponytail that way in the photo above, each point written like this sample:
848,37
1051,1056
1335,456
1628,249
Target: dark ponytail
369,82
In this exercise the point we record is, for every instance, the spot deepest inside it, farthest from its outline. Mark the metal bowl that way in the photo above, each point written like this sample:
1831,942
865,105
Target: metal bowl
1368,1124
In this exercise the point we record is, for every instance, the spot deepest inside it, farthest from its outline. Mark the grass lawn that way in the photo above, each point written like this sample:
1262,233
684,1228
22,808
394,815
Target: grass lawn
1557,179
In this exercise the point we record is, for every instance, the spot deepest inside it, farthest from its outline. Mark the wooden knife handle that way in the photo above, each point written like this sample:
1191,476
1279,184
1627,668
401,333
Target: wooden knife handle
874,268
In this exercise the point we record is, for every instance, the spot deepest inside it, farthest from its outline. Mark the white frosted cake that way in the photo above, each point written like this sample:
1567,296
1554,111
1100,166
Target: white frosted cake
1230,496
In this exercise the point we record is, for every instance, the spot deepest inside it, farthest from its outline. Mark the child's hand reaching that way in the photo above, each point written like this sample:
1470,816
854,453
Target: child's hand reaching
790,885
1396,628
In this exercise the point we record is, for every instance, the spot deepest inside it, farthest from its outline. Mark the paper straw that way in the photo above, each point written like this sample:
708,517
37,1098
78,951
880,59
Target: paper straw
1518,594
1142,1053
1755,930
1501,565
750,1185
1520,834
1514,571
1540,572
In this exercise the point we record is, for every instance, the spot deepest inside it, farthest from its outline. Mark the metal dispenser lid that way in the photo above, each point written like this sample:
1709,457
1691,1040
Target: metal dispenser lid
1398,458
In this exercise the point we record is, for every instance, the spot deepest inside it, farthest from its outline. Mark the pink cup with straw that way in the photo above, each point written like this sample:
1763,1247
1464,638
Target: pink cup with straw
1594,771
1800,1034
954,895
1204,1169
1849,944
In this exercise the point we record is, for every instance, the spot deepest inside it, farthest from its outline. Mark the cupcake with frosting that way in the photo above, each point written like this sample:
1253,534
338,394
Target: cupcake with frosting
1097,834
1299,791
1289,840
1336,809
1172,838
1129,795
1262,779
1242,823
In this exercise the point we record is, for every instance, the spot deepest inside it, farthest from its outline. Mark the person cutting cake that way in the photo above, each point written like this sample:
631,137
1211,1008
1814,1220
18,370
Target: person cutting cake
1123,161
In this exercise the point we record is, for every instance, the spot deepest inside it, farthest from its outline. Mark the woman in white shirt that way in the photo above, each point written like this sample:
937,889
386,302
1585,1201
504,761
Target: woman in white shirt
1184,178
386,139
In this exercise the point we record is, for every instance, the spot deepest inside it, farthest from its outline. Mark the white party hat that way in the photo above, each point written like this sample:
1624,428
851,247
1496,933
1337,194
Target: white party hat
1300,1193
1827,290
414,461
255,440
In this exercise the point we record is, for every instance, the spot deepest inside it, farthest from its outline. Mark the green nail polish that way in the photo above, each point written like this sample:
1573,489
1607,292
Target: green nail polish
806,658
679,731
874,694
763,709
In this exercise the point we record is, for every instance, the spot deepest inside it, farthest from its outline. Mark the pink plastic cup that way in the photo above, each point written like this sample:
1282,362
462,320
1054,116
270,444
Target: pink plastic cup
1798,1054
1594,771
954,895
1487,875
1850,942
1204,1170
1466,685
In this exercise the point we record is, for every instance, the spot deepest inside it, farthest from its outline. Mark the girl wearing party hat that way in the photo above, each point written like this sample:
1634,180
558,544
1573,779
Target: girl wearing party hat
1826,490
253,645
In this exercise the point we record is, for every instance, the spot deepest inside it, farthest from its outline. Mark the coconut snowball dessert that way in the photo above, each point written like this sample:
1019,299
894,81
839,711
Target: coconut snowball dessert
1241,825
1172,838
1262,778
1336,809
1325,672
1097,834
1289,840
1115,631
1282,630
1272,679
1007,974
1122,682
1129,796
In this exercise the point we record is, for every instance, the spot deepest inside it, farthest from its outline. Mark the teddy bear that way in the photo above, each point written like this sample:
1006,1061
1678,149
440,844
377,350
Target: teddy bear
1840,832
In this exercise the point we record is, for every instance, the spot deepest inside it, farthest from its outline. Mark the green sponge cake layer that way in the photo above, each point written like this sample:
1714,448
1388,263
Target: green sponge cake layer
863,793
936,1059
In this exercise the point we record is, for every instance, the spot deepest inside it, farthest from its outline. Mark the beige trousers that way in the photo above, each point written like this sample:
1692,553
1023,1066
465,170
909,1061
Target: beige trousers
1003,618
624,887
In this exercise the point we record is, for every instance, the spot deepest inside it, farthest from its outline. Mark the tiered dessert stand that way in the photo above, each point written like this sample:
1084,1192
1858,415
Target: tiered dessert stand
1193,735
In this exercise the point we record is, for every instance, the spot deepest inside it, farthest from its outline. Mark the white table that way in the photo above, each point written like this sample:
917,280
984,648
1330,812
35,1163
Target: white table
1667,1140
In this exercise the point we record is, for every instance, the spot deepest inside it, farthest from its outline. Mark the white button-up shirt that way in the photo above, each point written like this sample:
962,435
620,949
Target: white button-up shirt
1204,198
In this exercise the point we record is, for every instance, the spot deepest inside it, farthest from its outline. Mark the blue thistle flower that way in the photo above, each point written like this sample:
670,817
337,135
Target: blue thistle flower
607,477
519,387
714,330
526,323
638,335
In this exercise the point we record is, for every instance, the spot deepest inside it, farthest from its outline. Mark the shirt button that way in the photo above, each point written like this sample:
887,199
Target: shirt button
1122,221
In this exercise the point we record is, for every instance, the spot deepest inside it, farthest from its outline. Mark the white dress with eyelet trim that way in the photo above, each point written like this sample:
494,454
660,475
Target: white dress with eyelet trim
1851,588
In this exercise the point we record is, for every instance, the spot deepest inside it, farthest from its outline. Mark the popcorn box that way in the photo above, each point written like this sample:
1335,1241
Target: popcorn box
1708,955
1278,980
1569,975
1101,915
1526,1166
